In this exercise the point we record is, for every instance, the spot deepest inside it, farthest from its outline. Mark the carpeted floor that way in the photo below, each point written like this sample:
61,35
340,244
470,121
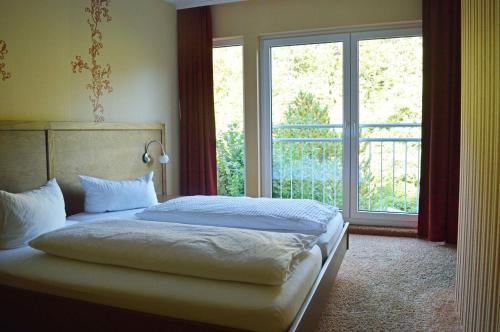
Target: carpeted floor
393,284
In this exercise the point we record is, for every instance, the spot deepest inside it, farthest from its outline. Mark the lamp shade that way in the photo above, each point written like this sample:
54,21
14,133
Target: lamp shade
146,158
164,159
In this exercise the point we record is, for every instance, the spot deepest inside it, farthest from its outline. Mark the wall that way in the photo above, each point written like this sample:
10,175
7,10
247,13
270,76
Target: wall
254,18
478,264
44,36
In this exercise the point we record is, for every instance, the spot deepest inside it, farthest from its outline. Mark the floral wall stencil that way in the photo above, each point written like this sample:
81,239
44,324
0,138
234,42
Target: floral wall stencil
101,81
4,74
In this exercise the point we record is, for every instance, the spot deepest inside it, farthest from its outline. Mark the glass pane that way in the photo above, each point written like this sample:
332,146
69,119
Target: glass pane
228,99
307,113
390,116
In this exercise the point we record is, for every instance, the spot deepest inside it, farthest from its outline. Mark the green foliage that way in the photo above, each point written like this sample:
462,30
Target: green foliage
306,169
304,109
228,97
230,162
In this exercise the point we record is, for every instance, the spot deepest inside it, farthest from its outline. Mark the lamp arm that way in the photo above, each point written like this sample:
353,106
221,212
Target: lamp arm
155,141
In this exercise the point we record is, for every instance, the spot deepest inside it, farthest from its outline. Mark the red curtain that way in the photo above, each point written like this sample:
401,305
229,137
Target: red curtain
196,102
438,206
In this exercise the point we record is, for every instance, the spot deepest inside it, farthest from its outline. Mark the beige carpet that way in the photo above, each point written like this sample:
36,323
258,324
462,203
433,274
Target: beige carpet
393,284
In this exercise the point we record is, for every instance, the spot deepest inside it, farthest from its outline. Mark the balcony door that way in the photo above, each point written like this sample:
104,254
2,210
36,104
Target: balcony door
340,122
386,115
304,118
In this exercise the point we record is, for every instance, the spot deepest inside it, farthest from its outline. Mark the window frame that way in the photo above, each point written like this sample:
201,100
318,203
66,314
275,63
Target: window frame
350,36
363,217
266,108
227,42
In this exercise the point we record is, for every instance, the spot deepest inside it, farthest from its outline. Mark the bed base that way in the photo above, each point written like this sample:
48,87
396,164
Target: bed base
309,314
24,310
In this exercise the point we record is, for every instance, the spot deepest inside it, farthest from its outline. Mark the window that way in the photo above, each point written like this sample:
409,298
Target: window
341,121
307,113
389,112
228,99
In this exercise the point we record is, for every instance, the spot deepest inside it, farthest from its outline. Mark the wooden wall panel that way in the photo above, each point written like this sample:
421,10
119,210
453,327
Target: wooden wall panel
23,163
109,154
478,265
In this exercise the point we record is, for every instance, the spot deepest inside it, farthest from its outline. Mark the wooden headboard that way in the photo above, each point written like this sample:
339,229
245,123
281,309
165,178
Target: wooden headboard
33,152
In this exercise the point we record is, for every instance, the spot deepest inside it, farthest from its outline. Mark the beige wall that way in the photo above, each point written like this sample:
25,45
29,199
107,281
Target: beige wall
253,18
478,263
43,37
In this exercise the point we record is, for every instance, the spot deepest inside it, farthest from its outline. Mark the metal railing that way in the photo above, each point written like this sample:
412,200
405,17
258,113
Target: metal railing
311,167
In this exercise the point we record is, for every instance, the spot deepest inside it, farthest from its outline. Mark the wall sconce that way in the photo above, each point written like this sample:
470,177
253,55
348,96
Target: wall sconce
146,158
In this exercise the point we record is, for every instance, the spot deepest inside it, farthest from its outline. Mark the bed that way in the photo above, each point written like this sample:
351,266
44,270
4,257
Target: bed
325,243
43,291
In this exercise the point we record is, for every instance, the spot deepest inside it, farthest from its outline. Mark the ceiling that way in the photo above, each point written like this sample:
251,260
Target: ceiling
182,4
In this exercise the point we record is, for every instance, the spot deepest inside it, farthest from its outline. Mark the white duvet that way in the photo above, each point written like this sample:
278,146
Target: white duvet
200,251
278,215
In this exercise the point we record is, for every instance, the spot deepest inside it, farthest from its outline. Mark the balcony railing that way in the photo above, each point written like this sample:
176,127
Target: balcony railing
307,163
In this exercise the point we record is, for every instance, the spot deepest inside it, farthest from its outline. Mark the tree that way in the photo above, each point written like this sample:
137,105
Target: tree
230,161
297,164
305,109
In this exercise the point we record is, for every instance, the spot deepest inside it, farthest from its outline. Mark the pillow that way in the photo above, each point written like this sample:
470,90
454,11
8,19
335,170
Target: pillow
107,195
26,215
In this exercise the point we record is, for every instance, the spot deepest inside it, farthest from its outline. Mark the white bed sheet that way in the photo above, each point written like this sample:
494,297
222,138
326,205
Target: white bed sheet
86,216
333,231
267,214
233,304
325,242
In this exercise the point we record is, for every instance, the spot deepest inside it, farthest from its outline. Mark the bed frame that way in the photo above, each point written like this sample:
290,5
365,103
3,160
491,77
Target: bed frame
37,151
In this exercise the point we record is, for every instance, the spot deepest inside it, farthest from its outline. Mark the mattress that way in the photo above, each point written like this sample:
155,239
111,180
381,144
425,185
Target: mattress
233,304
333,231
325,242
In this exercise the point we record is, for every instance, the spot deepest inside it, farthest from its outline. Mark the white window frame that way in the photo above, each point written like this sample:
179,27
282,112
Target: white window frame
266,112
350,38
227,41
363,217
